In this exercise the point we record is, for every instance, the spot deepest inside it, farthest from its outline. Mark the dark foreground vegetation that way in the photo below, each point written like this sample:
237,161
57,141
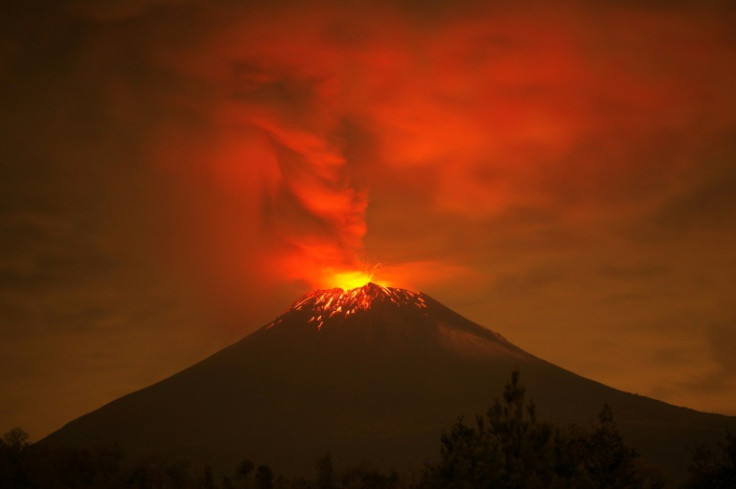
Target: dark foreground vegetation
506,448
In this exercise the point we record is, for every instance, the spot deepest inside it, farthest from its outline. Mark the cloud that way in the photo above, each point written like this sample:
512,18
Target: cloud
723,341
476,116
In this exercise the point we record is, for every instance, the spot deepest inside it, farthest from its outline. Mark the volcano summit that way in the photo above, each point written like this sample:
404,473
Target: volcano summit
372,374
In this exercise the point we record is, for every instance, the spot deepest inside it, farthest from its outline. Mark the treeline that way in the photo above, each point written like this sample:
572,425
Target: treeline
505,448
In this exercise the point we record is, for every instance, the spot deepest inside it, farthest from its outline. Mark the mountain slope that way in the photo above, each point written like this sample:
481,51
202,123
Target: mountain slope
373,374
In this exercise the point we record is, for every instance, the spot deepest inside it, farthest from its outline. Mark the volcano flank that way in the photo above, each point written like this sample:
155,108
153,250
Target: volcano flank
372,374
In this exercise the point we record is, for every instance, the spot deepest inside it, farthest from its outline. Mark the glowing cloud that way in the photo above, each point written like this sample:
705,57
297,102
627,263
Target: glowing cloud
351,279
291,121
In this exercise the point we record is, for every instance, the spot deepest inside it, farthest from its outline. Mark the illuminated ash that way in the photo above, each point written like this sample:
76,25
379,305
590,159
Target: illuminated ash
330,304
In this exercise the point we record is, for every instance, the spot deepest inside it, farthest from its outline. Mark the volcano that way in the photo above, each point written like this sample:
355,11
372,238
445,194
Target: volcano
373,374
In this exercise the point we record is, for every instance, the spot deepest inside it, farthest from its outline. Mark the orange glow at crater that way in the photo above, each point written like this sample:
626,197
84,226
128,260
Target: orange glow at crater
352,279
335,304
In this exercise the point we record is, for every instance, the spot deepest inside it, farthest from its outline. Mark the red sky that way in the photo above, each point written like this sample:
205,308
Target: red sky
176,173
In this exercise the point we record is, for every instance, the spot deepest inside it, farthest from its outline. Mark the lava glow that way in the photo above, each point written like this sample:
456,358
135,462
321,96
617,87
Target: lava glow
340,303
351,280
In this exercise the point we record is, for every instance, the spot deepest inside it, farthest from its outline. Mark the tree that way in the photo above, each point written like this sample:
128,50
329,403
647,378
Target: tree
509,448
607,460
208,478
264,477
361,477
506,448
709,470
16,439
326,478
242,473
13,463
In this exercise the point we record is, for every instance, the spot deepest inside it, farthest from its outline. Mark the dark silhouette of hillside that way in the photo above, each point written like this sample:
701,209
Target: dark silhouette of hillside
370,375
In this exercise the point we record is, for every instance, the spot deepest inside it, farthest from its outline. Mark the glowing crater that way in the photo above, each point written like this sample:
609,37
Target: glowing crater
351,280
331,303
